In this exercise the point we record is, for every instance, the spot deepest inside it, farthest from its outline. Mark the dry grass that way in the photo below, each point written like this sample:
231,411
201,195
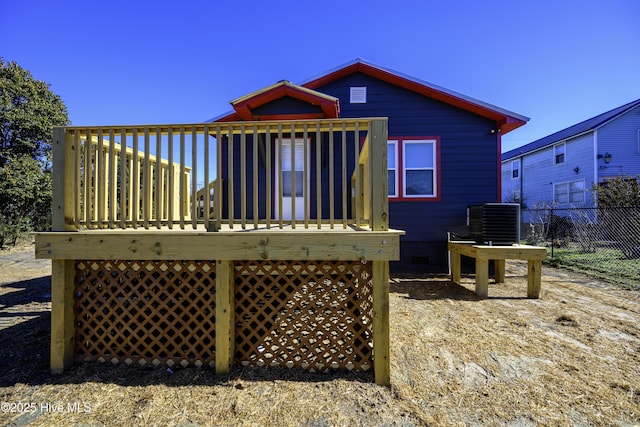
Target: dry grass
569,358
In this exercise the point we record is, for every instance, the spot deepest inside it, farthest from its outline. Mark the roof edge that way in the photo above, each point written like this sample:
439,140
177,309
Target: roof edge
573,131
509,119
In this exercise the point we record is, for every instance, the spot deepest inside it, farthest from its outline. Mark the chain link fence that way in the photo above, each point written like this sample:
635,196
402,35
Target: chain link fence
602,242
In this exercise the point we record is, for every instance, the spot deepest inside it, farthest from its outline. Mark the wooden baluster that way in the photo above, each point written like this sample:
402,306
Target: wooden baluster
158,201
181,183
243,177
279,174
255,177
292,172
217,194
194,179
318,176
344,175
206,199
123,179
146,185
332,189
305,173
230,179
356,186
269,174
170,179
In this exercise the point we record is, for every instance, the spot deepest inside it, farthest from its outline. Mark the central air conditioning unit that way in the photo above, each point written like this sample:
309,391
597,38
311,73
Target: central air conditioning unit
494,223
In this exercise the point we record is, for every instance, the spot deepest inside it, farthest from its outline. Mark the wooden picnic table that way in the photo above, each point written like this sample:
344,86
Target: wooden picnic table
483,253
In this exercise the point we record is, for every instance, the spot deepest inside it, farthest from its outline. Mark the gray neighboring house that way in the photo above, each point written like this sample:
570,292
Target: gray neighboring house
562,168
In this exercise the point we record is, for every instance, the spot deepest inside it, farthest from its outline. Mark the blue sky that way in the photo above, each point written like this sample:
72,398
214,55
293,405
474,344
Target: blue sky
122,62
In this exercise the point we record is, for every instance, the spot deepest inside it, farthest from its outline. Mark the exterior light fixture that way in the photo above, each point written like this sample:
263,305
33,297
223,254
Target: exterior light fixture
605,156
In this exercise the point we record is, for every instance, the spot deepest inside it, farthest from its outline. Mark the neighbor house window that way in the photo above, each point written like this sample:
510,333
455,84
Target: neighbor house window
559,153
569,192
515,169
413,166
516,196
576,191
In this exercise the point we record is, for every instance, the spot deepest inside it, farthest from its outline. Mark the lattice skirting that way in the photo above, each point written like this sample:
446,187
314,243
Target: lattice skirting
145,312
311,315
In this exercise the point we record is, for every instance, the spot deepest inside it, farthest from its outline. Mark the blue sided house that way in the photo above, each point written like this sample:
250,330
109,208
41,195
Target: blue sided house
443,152
561,169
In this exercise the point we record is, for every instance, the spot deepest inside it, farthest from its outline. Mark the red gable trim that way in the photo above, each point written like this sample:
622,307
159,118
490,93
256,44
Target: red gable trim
233,117
244,107
505,122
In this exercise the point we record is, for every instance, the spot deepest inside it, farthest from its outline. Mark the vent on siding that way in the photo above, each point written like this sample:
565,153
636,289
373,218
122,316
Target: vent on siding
359,95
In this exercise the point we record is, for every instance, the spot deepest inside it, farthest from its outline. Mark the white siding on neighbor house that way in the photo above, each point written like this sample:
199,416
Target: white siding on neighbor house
539,173
620,139
510,185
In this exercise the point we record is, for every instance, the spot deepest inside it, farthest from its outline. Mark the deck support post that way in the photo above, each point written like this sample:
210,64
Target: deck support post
534,278
62,325
482,277
378,183
380,222
500,270
63,181
62,270
455,266
381,356
225,316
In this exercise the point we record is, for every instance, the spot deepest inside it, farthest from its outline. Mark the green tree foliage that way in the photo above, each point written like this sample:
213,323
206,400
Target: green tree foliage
28,113
619,213
622,191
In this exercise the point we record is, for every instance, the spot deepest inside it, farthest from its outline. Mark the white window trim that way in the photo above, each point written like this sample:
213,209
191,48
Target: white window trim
564,152
567,185
395,142
555,191
518,169
581,192
433,143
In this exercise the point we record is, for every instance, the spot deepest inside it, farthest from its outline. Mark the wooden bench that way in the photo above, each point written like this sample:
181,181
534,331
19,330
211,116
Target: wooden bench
483,253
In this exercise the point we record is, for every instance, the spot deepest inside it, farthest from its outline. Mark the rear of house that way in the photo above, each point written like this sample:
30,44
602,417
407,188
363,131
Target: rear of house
282,257
443,148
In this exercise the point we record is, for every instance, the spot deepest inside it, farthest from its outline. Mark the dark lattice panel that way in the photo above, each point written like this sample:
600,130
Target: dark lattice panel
146,312
311,315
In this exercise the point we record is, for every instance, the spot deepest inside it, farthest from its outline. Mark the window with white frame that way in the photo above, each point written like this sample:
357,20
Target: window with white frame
569,192
559,153
412,168
515,169
576,191
392,168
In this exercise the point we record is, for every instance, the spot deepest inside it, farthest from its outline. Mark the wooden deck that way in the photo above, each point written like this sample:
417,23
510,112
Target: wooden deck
285,243
128,198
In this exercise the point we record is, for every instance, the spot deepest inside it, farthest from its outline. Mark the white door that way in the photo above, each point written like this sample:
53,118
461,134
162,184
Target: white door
293,168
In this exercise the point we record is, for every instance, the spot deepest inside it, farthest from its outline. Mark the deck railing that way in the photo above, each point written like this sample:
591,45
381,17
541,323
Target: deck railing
167,176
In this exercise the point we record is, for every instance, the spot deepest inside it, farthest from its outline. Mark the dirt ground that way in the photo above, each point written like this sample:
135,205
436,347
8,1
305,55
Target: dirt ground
571,357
